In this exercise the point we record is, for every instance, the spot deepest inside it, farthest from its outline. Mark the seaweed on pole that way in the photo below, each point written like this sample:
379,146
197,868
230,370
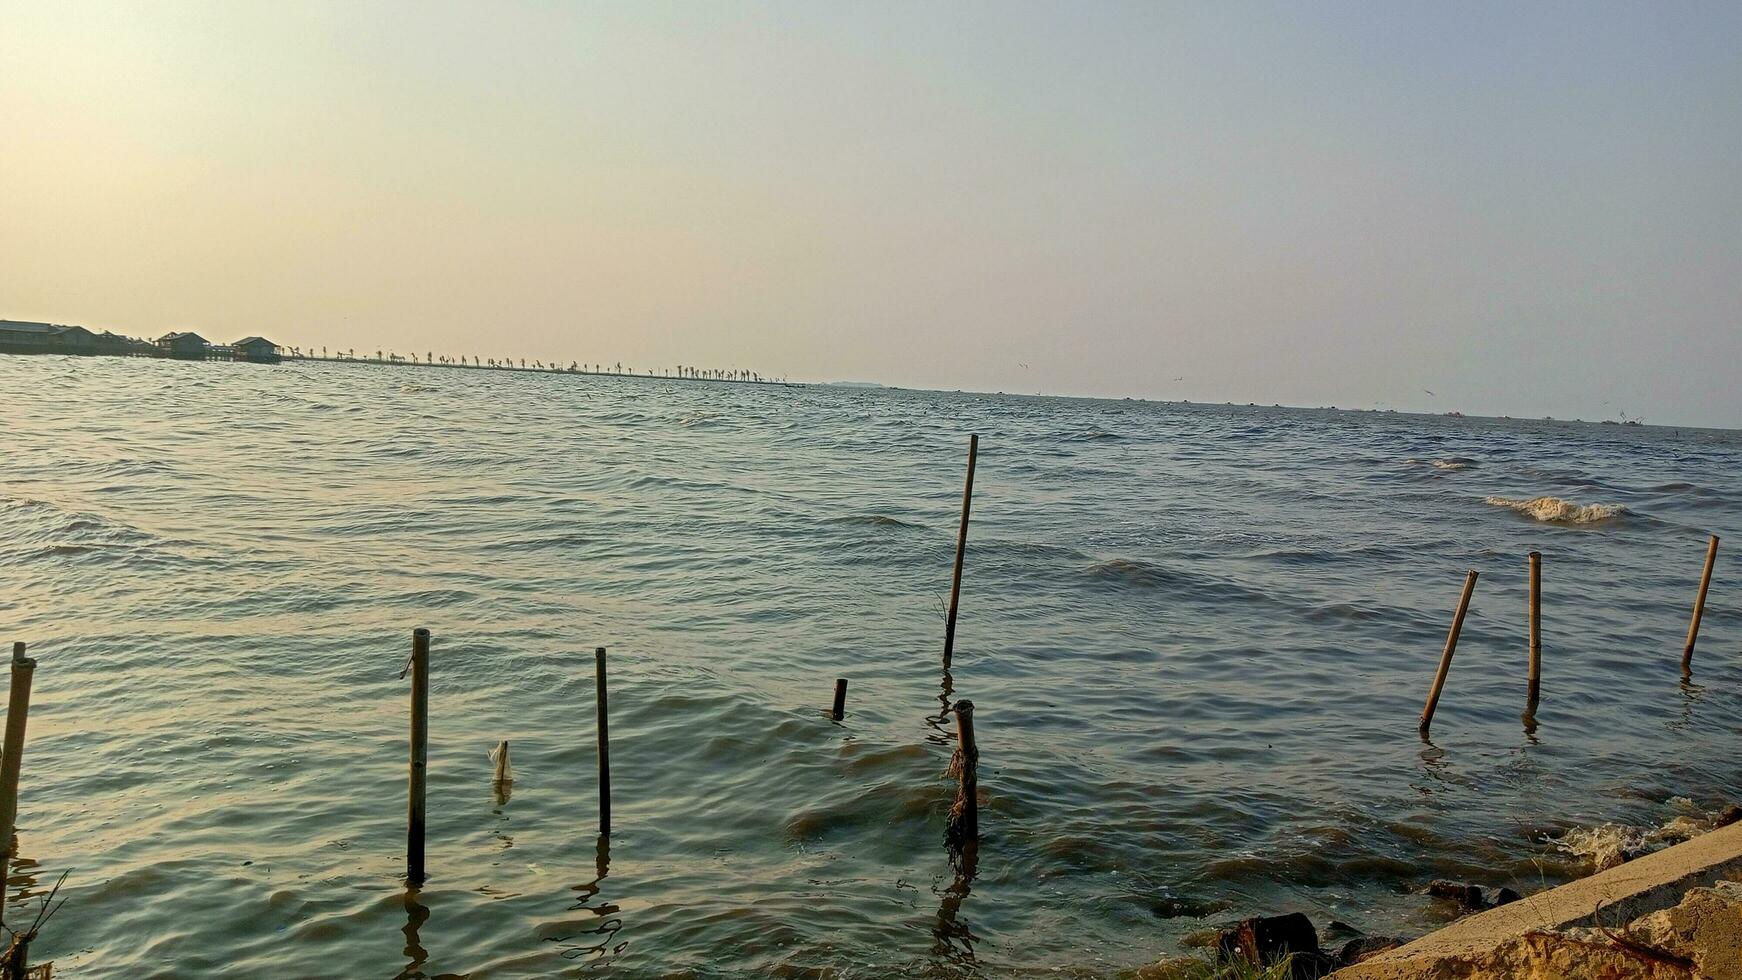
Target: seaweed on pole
962,830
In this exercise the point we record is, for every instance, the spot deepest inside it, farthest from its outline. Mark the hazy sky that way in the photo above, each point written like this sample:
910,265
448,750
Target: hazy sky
1526,208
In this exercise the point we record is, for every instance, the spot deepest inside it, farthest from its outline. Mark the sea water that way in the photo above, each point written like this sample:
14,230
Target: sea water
1198,638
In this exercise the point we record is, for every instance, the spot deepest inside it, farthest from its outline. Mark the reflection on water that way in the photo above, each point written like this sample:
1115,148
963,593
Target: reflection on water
942,724
954,936
23,880
1205,631
416,914
597,942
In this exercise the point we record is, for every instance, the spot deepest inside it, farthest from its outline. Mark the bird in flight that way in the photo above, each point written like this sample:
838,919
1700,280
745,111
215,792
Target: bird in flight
1430,394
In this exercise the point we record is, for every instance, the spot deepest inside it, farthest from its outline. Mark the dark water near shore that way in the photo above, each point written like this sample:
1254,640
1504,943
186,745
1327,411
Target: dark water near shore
1198,638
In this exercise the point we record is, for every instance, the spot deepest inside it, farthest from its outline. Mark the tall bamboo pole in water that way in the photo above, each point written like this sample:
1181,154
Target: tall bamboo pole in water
1433,697
961,546
1535,628
604,743
17,713
417,784
1699,606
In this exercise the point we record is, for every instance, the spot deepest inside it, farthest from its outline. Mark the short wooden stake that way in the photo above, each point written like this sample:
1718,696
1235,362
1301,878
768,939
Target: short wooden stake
17,714
1535,689
502,783
840,709
416,814
964,822
961,547
1699,606
1433,697
18,956
604,744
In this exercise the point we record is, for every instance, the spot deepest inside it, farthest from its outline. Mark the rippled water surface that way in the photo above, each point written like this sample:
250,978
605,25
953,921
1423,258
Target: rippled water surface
1198,638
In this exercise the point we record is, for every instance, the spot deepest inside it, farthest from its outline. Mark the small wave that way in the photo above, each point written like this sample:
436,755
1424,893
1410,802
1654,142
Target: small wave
1130,570
1339,611
65,550
1557,511
416,389
1607,845
873,520
1453,464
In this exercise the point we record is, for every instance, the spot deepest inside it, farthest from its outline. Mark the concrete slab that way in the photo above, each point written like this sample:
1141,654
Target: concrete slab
1648,884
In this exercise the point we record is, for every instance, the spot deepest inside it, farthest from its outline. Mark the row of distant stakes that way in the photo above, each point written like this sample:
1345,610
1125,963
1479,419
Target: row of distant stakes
962,828
432,359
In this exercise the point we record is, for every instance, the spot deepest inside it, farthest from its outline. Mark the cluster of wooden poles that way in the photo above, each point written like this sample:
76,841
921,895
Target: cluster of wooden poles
416,811
964,821
963,829
1533,690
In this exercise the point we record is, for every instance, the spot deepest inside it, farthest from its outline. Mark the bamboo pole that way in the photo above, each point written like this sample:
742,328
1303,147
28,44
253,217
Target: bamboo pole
17,714
840,709
1699,606
604,744
1433,697
415,812
964,822
1535,687
961,547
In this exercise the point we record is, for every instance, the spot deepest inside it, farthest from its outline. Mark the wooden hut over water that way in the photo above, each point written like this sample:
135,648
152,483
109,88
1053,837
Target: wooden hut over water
258,350
187,346
19,336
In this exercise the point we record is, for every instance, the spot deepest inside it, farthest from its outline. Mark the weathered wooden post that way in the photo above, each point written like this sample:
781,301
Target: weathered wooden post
964,822
17,714
1433,697
415,814
840,709
1535,687
961,547
18,956
502,782
1699,606
604,744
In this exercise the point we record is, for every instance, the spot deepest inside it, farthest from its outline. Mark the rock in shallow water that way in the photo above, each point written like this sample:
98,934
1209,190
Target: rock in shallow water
1264,939
1466,896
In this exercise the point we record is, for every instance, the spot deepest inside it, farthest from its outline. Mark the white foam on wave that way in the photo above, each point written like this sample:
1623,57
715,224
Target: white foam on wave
1448,463
1558,511
1607,845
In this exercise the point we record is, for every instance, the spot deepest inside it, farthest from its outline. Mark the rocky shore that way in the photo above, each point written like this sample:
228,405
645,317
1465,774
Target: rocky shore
1671,914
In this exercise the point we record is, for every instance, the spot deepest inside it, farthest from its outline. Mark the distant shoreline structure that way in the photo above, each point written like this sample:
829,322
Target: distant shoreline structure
20,337
28,337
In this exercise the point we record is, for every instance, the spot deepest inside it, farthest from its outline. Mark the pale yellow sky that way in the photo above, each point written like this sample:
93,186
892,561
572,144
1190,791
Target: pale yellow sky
1526,210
